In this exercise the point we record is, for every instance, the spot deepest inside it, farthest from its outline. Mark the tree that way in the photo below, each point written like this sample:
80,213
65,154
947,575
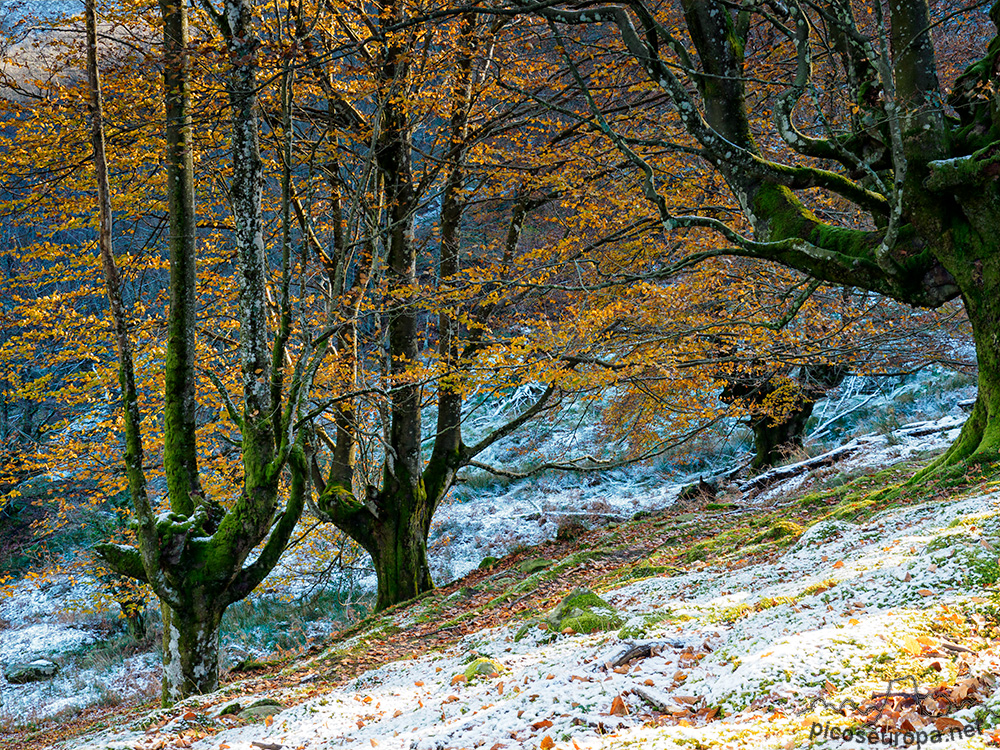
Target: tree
194,557
911,163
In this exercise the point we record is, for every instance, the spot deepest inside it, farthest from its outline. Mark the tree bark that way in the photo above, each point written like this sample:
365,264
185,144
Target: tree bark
190,652
399,552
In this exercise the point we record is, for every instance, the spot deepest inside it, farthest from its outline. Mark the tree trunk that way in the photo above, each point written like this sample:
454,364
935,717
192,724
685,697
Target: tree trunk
774,439
190,653
399,551
979,441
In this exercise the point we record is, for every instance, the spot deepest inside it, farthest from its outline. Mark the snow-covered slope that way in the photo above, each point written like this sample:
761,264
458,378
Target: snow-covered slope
743,654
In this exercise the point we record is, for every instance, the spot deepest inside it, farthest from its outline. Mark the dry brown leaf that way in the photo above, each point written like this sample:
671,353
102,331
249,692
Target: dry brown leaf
925,592
458,679
189,716
618,707
500,688
543,724
944,723
648,681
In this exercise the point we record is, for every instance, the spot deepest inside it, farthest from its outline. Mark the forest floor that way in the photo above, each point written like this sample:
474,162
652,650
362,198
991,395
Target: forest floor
778,613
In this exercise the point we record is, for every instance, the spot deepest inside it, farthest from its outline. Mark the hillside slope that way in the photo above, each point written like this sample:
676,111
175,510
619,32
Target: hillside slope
737,623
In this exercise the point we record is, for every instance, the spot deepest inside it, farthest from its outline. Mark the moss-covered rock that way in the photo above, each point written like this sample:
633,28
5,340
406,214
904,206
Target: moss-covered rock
36,671
231,709
488,562
261,709
534,565
483,667
582,611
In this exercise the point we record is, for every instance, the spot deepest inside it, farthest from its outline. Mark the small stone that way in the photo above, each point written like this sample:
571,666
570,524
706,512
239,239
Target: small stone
483,667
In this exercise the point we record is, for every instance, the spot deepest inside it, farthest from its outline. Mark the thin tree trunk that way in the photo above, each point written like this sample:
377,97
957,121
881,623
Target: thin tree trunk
180,456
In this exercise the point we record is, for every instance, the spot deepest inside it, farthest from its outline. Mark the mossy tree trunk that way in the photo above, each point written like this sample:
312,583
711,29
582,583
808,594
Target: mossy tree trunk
779,407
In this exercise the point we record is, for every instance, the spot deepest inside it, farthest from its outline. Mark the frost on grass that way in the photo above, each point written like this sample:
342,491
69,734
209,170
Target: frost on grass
741,652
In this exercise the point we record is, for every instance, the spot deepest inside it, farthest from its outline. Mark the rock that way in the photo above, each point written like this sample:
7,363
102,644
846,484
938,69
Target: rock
232,709
36,671
483,667
534,565
581,611
261,709
488,562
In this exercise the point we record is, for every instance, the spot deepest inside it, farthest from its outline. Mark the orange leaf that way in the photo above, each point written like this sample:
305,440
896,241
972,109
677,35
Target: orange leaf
839,564
544,724
944,723
546,743
618,707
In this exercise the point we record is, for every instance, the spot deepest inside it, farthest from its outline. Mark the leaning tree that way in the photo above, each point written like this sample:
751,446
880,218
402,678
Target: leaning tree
796,104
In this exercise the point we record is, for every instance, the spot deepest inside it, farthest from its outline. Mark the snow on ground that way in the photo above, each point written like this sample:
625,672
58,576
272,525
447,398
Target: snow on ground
831,618
47,619
862,452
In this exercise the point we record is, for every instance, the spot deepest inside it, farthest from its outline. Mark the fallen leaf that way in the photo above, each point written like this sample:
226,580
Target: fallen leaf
618,707
544,724
945,723
853,621
838,564
458,679
546,743
912,645
450,699
374,743
268,721
925,592
649,682
189,716
419,683
397,714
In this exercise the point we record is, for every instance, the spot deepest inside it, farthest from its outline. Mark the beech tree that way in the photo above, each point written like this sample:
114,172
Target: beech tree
195,555
911,162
